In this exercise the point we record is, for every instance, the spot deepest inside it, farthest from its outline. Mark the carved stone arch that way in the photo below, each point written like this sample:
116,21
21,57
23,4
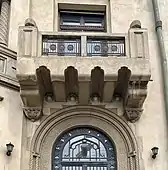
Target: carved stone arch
106,121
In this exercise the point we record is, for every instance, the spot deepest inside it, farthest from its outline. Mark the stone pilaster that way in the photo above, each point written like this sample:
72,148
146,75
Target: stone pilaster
4,21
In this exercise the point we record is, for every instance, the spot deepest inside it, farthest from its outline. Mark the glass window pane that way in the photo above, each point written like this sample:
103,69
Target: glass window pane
70,19
83,149
83,20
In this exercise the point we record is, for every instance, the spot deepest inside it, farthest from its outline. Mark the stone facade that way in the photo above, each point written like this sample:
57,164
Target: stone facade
128,105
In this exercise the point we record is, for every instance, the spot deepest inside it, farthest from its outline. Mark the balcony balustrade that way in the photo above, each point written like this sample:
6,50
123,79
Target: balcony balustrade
106,47
52,45
61,47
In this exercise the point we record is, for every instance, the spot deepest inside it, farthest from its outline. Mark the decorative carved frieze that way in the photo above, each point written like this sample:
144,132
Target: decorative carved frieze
33,113
133,114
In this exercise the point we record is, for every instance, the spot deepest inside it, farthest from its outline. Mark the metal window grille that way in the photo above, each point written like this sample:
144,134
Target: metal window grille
111,47
83,149
61,47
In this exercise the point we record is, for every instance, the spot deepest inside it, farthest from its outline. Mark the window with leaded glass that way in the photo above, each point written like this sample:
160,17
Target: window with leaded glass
84,149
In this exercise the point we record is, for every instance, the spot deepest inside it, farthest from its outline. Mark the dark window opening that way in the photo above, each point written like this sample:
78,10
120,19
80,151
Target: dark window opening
82,21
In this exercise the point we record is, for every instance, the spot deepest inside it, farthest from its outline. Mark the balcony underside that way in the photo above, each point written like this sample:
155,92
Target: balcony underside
81,81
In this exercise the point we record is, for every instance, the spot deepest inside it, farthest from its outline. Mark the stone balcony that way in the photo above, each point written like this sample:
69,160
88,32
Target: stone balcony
85,73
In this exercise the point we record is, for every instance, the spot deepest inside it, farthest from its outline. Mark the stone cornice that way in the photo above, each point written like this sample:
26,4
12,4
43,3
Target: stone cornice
8,52
9,82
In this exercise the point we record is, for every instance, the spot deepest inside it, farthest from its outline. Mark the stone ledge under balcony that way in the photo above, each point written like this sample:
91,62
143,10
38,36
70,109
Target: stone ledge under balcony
79,79
140,67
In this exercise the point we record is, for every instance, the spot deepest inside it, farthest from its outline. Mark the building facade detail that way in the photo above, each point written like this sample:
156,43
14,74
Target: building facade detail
81,83
105,84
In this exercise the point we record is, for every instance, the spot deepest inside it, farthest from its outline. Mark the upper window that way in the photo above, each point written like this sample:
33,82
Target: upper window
82,21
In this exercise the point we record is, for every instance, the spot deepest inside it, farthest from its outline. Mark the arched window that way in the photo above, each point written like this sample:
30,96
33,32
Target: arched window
83,149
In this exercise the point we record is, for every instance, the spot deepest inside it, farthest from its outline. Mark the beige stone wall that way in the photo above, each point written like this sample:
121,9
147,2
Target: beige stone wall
150,130
10,128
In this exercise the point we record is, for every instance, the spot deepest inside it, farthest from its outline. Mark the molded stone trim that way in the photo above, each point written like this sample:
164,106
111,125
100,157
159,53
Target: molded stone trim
6,79
70,117
8,52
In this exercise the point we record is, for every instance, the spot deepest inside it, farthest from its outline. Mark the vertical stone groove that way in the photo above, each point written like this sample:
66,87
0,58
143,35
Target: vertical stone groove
4,19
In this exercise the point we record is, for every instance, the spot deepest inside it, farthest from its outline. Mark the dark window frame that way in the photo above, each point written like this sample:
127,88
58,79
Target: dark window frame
83,17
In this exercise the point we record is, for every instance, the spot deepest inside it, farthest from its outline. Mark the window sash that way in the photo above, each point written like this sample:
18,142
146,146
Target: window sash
82,21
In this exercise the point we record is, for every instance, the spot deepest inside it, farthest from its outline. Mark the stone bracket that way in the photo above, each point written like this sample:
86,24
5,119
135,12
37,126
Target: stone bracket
33,113
134,100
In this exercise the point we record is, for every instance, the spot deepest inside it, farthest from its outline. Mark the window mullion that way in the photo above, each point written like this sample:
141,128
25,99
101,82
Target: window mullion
82,21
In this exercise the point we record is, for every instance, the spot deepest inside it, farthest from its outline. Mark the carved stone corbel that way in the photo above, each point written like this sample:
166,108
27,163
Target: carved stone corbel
97,84
134,100
33,113
71,84
133,114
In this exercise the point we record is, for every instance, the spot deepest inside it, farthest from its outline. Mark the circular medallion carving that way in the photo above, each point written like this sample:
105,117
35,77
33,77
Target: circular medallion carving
113,48
97,47
70,47
53,47
61,47
104,48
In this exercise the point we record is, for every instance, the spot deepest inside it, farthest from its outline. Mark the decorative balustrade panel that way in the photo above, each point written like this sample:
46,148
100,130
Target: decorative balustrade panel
61,47
72,46
105,47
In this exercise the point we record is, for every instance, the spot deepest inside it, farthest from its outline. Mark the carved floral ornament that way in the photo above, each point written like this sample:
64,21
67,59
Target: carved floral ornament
32,113
133,114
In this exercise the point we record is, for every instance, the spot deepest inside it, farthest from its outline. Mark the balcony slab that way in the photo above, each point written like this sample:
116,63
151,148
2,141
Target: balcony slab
140,67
